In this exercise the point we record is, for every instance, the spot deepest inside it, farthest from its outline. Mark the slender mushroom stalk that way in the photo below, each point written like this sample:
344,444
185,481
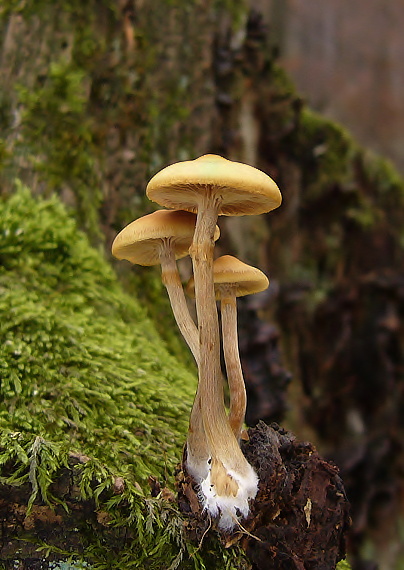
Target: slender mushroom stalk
172,282
238,396
211,186
232,279
247,280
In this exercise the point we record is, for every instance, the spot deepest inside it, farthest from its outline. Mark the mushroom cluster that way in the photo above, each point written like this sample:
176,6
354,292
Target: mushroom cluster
196,192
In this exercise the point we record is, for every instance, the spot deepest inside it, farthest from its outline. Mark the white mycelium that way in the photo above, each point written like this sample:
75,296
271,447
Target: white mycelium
229,506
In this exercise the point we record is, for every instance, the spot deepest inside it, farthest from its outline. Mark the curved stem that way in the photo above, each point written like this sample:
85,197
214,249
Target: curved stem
198,452
238,398
172,282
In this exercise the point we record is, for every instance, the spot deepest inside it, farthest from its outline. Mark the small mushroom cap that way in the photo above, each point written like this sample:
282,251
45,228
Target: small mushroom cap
243,188
140,241
230,271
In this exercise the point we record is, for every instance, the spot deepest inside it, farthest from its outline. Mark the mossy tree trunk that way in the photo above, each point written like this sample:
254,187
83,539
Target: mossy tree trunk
97,96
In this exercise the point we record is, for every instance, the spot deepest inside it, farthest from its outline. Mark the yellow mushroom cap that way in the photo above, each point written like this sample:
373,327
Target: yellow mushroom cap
228,270
244,189
140,241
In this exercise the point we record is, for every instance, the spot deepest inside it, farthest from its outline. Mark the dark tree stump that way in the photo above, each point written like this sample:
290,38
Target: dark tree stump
300,515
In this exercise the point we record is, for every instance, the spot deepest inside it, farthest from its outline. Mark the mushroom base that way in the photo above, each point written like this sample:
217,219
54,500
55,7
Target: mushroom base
228,501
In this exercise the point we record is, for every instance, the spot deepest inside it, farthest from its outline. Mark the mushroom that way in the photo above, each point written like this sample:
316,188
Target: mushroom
161,238
233,278
212,185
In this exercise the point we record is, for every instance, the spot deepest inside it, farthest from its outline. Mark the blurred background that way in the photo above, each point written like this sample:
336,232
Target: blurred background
96,97
346,59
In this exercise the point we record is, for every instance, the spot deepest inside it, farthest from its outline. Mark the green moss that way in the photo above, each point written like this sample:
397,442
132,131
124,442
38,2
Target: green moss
56,126
83,370
328,156
56,148
105,86
281,82
326,150
343,565
323,148
58,300
152,295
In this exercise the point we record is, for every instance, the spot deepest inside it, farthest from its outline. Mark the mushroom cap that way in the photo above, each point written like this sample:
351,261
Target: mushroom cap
140,241
244,189
228,270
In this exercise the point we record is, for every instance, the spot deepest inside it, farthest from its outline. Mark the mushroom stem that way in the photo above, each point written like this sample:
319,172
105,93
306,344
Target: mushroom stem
198,459
225,451
210,389
238,398
173,285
